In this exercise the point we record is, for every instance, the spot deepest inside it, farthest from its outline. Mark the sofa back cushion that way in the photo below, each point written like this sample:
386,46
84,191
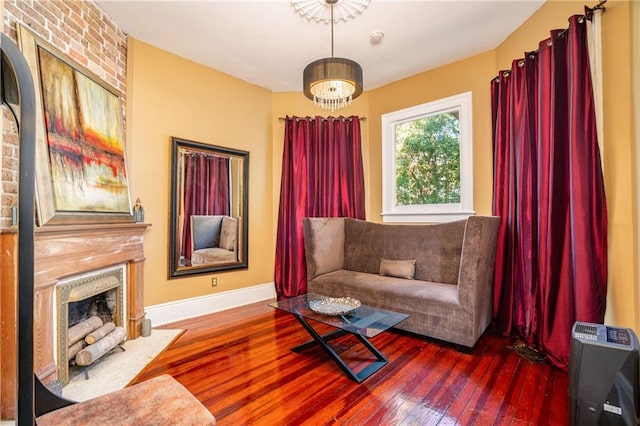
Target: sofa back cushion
205,231
324,245
435,247
363,246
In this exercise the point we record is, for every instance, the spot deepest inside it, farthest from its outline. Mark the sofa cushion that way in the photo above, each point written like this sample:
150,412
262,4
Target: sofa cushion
392,293
327,252
212,255
364,246
398,268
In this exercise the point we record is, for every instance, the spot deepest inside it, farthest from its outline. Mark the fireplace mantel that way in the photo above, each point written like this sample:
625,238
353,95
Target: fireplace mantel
61,252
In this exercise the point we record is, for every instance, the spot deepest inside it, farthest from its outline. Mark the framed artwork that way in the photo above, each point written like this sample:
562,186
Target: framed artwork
81,173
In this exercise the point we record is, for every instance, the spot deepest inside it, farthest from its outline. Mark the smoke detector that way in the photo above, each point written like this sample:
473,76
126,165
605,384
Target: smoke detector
376,37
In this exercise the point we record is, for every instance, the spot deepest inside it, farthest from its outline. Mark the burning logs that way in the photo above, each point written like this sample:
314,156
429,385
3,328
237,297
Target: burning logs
91,339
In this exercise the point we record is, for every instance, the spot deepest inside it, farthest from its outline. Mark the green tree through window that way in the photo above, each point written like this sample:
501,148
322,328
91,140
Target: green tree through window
428,160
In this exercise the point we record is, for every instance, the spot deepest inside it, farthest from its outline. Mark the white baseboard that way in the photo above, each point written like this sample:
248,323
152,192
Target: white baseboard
194,307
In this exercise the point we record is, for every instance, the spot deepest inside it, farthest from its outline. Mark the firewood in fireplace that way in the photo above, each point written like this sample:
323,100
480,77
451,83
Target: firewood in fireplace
78,331
74,349
98,334
92,353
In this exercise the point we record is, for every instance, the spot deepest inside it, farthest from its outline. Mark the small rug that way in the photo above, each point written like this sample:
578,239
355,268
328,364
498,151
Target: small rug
527,352
120,367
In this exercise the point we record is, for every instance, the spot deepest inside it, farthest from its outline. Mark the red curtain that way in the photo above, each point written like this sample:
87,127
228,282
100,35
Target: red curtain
206,191
551,263
322,176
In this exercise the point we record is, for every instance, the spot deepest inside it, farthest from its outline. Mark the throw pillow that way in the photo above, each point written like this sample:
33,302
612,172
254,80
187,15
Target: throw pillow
398,268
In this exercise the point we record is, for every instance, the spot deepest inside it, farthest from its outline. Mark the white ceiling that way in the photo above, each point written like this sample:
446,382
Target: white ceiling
267,43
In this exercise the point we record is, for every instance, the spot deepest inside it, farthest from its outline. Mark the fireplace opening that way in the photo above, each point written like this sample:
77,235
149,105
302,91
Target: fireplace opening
89,307
101,305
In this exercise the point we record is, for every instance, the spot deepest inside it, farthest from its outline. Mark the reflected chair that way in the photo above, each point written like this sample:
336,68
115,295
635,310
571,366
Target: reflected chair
214,239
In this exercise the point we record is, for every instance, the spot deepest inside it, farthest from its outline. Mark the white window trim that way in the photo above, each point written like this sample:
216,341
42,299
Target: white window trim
428,212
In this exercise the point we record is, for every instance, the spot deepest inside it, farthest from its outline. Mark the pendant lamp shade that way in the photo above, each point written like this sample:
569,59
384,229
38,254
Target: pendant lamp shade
332,83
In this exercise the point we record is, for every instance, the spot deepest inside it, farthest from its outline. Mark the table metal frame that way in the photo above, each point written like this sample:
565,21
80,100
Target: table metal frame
323,342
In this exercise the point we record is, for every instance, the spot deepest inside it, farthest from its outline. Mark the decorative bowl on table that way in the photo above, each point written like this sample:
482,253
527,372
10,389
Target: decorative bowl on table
334,306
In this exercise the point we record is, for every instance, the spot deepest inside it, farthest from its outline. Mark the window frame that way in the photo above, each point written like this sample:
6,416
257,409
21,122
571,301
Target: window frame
428,212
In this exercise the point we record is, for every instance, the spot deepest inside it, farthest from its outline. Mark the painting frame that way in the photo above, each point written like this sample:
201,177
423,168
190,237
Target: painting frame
81,168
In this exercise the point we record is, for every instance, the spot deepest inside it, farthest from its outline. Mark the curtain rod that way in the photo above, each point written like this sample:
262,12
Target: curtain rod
324,118
600,6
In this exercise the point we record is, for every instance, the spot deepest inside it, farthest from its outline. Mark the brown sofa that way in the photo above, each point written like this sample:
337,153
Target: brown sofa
441,275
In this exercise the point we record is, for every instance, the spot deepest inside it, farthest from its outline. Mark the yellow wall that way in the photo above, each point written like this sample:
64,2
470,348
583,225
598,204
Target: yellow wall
552,15
170,96
635,48
619,151
474,75
622,306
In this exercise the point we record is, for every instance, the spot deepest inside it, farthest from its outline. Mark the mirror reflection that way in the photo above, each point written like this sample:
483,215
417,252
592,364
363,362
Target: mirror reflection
209,193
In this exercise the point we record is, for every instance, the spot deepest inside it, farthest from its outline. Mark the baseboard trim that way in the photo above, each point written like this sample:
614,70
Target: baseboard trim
165,313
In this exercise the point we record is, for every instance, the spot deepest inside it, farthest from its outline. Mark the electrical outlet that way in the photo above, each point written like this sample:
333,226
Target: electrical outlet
214,282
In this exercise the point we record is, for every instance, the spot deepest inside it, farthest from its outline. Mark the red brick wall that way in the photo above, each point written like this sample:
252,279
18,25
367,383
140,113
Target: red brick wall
80,30
9,167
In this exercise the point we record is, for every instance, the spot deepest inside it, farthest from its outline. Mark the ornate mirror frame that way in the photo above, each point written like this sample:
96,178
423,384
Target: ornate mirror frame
180,257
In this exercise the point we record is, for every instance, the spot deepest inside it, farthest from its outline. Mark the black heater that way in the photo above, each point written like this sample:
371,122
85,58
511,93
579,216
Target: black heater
603,376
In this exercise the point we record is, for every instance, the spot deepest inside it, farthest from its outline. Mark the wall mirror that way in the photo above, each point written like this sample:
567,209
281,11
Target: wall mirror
209,206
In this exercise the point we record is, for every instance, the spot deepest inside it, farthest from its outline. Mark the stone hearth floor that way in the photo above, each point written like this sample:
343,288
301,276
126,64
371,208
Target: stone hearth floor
120,367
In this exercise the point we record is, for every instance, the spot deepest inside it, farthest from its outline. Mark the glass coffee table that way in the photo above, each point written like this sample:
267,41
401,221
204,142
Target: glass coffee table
364,323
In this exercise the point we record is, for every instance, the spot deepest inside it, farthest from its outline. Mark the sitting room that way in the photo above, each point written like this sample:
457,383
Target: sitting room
406,231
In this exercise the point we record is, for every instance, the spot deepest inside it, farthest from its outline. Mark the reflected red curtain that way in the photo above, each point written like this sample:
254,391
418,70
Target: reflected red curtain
551,262
322,176
206,191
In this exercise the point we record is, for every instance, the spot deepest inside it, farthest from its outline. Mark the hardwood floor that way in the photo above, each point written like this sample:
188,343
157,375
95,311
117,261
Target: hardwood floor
239,364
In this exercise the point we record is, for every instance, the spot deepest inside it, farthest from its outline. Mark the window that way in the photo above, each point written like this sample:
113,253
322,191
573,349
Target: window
427,164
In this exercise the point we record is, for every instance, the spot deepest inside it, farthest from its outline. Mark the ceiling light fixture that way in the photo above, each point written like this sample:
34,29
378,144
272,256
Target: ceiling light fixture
332,83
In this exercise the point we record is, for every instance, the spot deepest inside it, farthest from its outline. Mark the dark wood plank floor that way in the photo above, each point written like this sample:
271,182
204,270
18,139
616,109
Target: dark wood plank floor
238,363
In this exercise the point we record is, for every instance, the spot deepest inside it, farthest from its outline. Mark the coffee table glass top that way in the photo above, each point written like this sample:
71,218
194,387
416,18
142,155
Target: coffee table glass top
366,320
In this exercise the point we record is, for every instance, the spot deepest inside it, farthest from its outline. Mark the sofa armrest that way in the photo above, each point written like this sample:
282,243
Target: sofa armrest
228,234
476,277
323,245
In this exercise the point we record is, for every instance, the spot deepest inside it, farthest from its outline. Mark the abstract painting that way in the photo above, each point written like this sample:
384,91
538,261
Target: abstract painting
81,169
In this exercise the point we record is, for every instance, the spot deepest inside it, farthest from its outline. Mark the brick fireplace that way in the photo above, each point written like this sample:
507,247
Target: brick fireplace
62,252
